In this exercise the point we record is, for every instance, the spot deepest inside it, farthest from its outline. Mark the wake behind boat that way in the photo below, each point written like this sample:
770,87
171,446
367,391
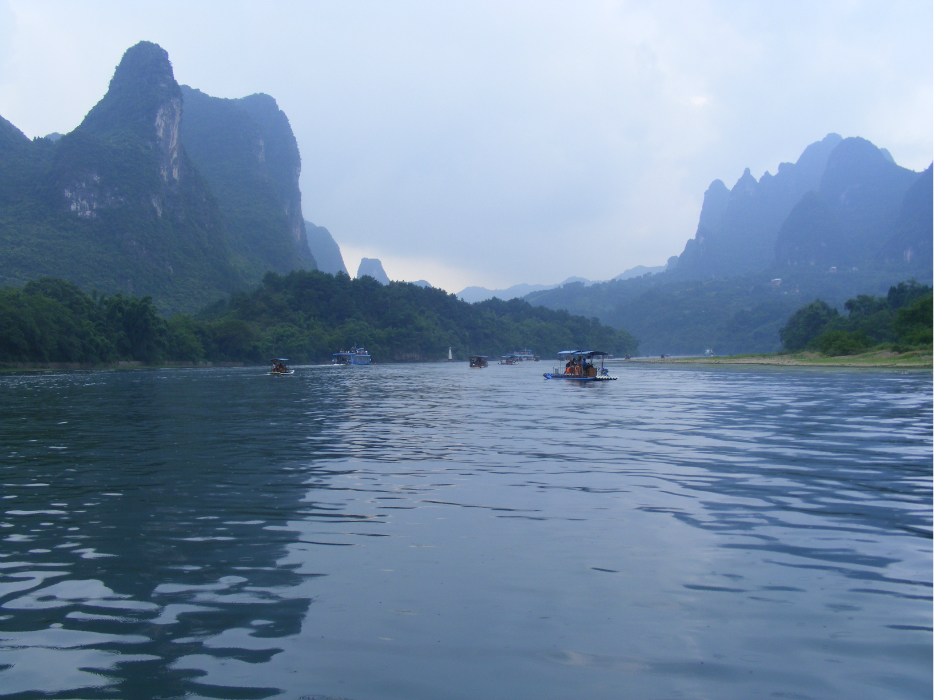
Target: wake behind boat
580,365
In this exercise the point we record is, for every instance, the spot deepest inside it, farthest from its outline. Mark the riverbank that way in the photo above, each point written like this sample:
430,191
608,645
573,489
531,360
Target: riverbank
122,364
915,359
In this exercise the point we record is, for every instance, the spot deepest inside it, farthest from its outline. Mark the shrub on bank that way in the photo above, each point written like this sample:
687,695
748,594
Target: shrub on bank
902,318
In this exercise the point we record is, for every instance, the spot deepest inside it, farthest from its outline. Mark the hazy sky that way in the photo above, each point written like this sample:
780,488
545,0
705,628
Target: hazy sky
497,143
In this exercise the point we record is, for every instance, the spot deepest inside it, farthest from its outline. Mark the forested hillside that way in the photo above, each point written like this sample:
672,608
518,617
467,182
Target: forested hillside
305,316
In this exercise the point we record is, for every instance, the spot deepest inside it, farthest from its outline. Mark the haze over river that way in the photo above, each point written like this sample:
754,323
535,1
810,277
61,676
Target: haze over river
430,531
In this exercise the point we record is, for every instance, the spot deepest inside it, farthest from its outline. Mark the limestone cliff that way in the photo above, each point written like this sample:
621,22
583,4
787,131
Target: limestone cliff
161,190
247,151
119,207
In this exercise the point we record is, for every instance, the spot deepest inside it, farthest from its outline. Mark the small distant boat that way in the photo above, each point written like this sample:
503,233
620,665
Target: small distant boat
525,356
354,356
279,368
580,365
510,359
478,361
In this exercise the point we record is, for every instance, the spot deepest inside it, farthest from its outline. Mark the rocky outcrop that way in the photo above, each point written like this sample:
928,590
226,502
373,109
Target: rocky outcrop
143,103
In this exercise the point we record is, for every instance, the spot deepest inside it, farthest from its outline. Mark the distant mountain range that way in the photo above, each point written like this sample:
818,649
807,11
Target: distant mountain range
161,190
475,294
836,207
843,220
165,191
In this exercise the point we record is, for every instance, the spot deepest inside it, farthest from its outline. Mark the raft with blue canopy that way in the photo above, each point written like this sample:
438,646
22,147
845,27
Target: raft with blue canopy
580,366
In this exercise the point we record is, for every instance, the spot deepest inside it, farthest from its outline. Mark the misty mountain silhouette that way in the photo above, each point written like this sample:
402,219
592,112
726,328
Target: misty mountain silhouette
516,291
843,220
372,267
738,227
325,249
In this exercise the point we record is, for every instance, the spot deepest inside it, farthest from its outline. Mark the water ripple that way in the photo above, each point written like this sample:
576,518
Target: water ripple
388,532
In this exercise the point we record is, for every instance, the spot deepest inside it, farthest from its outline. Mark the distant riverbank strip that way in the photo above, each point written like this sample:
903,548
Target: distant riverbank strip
916,359
122,364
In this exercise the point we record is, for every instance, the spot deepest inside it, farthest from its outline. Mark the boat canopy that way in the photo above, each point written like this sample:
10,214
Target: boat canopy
279,359
483,356
582,354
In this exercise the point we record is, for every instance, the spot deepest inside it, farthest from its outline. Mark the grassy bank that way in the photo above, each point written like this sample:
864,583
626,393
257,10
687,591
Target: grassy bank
875,357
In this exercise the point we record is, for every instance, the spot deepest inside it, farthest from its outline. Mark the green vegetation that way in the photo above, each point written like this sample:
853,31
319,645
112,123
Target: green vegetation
304,315
52,320
902,319
731,315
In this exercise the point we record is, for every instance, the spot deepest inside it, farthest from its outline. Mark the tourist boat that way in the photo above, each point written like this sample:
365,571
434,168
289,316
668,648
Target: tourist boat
580,365
478,361
354,356
525,356
279,367
510,359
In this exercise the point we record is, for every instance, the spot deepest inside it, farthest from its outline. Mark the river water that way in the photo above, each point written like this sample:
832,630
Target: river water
430,531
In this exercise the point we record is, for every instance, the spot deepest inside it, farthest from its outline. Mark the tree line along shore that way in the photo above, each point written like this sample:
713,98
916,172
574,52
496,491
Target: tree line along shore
890,331
307,316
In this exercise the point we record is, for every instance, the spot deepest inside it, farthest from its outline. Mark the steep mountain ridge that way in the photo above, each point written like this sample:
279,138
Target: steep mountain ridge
737,228
246,150
118,205
910,243
860,224
847,220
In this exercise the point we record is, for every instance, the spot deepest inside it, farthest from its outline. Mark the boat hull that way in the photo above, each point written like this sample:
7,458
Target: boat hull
572,378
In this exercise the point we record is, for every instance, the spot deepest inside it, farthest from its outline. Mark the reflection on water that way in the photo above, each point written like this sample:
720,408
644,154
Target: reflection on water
436,532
